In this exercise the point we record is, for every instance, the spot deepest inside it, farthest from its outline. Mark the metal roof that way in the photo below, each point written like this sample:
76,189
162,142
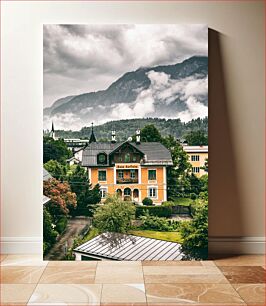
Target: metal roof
195,149
46,175
115,246
155,153
45,199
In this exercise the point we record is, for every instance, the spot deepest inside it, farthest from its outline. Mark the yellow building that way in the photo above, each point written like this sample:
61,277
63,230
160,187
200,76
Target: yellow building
197,157
133,170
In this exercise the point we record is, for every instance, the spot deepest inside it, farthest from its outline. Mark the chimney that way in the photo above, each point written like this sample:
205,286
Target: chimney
113,137
138,136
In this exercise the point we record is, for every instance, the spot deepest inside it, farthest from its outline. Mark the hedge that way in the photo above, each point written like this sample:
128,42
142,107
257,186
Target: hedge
159,211
86,211
61,225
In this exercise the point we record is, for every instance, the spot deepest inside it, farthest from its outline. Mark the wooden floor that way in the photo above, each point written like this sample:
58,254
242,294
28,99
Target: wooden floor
232,280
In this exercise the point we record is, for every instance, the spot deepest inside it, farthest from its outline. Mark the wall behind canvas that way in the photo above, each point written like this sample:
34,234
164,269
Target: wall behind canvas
236,106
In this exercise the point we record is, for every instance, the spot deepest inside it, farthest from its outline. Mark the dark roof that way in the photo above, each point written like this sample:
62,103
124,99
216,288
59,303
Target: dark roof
155,153
117,246
46,175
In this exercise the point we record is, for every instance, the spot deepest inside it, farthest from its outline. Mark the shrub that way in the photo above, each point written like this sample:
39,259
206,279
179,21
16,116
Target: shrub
61,225
49,234
193,196
147,201
159,211
84,211
168,203
115,216
46,247
195,232
157,223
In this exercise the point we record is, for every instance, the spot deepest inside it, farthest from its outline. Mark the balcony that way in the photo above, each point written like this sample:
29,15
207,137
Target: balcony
128,176
127,180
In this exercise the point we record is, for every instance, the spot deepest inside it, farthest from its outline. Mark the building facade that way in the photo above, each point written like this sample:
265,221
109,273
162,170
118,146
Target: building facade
133,170
197,157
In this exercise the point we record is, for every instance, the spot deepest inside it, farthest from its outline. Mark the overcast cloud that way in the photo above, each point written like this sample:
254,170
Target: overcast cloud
85,58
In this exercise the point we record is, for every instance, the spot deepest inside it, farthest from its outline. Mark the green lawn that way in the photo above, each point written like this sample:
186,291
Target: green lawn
91,234
183,201
168,236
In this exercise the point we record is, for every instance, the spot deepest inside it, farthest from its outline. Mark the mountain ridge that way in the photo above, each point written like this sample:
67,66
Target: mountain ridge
138,93
166,127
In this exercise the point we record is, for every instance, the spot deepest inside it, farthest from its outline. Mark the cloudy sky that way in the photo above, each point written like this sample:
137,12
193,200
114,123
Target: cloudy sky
85,58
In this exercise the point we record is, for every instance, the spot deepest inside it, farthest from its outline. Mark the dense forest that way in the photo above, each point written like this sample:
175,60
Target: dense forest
127,128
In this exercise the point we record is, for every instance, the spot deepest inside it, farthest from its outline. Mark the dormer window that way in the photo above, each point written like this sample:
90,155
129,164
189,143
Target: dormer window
102,159
127,158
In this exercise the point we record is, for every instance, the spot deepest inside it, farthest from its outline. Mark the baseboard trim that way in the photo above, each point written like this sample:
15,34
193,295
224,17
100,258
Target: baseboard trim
217,245
236,245
21,245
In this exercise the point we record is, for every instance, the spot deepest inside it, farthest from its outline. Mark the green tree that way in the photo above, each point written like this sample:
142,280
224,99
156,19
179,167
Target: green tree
115,216
79,182
196,138
55,149
195,232
150,134
206,165
177,178
56,169
93,196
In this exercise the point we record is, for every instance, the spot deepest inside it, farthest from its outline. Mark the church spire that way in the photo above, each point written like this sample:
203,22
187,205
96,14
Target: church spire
52,134
92,138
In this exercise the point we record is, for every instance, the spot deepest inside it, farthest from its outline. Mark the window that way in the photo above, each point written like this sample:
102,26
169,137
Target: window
127,192
120,174
103,192
127,158
151,175
152,192
194,157
102,158
132,174
195,169
134,158
102,175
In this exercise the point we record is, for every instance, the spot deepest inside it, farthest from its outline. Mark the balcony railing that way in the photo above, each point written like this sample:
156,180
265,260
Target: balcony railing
127,180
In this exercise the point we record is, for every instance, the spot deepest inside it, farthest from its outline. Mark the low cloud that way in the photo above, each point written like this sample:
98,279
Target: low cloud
165,97
85,58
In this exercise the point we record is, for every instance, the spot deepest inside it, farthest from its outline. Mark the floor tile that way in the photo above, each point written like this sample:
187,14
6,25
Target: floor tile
125,304
177,263
242,260
192,293
24,260
21,275
256,304
251,293
16,293
183,274
185,279
72,263
119,273
2,256
68,275
123,293
248,274
66,294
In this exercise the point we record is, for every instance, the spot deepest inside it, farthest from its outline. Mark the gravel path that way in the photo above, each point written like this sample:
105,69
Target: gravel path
74,228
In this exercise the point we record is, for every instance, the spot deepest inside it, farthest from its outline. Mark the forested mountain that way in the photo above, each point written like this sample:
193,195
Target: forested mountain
170,91
127,128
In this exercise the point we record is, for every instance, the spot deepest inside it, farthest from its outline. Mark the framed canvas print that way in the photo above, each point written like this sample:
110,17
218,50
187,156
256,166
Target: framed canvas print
125,142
